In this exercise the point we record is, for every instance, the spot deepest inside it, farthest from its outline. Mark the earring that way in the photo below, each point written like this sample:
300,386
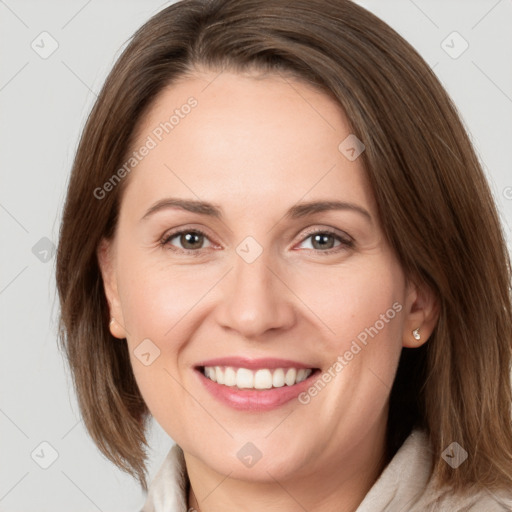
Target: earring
416,334
112,321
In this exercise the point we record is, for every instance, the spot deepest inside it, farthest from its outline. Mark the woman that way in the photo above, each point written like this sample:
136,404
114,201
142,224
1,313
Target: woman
279,243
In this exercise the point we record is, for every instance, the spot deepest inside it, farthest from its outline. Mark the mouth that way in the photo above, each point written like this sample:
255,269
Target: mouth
255,385
264,378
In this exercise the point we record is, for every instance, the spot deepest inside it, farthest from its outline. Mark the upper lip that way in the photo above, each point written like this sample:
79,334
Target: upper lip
253,364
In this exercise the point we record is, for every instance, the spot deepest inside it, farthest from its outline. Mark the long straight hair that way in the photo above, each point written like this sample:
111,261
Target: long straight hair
433,200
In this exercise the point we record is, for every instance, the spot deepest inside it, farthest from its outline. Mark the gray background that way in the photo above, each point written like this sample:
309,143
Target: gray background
44,103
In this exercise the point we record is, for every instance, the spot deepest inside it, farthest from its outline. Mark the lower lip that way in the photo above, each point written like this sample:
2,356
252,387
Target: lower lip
255,399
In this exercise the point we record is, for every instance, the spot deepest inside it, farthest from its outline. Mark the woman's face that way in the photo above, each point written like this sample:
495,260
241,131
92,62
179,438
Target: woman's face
275,289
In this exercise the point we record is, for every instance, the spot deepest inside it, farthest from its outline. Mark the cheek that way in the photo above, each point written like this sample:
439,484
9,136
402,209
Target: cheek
156,298
376,320
363,298
362,307
162,304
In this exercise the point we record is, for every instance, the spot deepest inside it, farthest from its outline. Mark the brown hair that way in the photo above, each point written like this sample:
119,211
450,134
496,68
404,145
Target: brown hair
435,207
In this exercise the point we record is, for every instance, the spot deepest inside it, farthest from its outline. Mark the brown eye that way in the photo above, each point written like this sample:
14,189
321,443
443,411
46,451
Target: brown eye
322,241
325,241
189,240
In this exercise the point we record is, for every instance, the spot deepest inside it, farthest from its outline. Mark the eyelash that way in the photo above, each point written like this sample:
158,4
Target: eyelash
345,244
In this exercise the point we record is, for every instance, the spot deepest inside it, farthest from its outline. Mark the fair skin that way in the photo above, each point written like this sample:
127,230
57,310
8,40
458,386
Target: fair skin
256,147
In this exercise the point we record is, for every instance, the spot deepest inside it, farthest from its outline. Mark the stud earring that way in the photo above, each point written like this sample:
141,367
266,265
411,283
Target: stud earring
416,334
112,321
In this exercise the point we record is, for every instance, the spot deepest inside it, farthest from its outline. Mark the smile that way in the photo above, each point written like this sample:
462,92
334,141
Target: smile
254,385
264,378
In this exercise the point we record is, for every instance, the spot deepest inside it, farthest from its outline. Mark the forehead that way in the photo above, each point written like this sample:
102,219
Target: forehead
247,141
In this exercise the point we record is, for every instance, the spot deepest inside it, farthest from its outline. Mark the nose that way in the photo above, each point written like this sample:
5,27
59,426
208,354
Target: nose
255,299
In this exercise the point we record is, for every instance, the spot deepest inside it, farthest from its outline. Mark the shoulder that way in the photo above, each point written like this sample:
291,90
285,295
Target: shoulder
445,500
406,484
433,498
167,491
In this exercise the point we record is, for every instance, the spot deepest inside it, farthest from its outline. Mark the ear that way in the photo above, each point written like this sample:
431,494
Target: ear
421,313
106,261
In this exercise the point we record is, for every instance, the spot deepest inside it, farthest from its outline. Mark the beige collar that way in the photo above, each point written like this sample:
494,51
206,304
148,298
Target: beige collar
403,486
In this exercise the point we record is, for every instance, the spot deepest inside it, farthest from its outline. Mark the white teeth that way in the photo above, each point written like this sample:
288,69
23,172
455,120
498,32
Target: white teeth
229,376
278,378
244,378
301,375
211,373
264,378
290,376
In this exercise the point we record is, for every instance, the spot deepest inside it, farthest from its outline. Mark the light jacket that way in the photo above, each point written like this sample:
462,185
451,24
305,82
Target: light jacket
403,486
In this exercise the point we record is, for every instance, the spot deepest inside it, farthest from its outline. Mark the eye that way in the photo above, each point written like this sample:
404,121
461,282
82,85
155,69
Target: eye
190,239
324,241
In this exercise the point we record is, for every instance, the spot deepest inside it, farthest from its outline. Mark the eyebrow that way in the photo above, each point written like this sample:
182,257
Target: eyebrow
214,210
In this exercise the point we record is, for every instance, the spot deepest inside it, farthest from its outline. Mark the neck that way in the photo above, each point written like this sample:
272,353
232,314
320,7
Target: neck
336,484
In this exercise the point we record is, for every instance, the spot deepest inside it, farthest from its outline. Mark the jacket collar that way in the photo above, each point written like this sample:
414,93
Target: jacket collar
404,485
